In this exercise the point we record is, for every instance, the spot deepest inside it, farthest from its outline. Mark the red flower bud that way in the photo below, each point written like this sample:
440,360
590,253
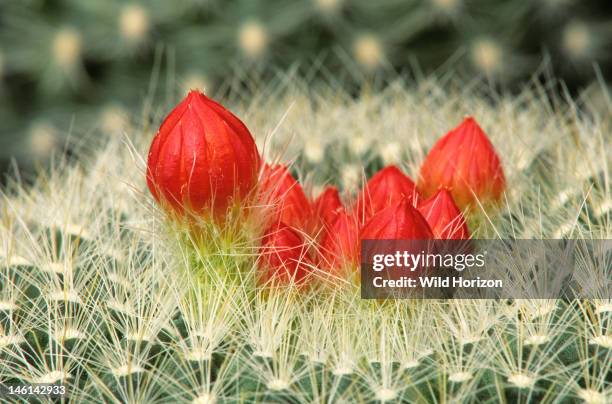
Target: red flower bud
464,162
444,217
398,222
340,244
202,157
327,207
386,188
285,196
283,256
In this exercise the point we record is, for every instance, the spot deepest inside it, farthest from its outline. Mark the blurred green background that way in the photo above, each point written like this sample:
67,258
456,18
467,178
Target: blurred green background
69,67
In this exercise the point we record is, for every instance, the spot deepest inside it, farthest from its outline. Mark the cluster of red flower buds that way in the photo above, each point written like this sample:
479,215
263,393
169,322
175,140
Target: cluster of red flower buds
204,161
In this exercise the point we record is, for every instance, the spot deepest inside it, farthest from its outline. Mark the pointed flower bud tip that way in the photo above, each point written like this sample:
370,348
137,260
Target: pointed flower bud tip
398,222
444,217
465,163
386,188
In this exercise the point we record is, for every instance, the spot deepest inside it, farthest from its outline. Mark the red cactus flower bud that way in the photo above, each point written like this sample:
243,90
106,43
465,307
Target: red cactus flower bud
386,188
202,157
398,222
339,246
464,162
285,196
444,217
326,207
283,256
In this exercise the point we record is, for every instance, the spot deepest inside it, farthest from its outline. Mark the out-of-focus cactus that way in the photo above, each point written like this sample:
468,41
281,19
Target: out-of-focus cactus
61,60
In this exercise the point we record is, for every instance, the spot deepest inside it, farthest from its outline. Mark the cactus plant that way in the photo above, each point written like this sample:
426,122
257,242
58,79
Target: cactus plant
102,293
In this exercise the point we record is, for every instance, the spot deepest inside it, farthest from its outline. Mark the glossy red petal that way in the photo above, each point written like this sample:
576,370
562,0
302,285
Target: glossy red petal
326,207
339,246
285,197
283,256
